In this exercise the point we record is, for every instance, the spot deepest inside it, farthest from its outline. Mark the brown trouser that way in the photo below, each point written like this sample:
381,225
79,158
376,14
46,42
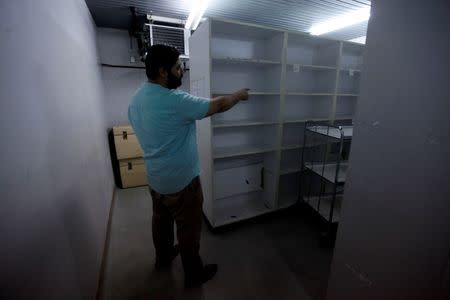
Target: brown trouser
185,208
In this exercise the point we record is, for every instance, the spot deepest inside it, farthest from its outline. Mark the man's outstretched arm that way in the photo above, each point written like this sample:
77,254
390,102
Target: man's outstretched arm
223,103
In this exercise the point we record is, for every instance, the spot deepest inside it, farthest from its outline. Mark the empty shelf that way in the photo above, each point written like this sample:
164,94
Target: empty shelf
239,123
314,67
299,146
348,70
235,60
325,206
329,171
348,95
223,152
291,146
343,118
347,131
308,94
251,93
305,120
239,207
290,170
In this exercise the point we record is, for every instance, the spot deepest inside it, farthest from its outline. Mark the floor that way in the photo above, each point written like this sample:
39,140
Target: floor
272,257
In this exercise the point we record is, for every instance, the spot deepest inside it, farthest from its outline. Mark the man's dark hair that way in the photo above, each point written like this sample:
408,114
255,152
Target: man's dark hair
160,56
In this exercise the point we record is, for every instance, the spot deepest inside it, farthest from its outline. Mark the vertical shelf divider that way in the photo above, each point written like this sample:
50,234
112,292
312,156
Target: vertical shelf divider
281,115
336,86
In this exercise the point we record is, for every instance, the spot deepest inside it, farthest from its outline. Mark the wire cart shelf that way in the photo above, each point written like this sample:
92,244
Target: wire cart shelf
324,169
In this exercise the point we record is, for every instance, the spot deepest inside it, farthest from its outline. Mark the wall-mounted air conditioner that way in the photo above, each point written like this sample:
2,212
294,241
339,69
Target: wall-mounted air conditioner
169,31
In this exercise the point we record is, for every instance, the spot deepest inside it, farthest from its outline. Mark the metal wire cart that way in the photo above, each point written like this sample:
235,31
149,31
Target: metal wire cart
324,168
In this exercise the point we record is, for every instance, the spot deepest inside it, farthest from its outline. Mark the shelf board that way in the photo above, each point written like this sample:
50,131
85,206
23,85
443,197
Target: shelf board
289,170
348,95
346,69
224,152
236,60
239,207
291,146
308,94
300,146
329,171
242,123
332,132
305,120
286,203
251,93
340,118
313,67
325,206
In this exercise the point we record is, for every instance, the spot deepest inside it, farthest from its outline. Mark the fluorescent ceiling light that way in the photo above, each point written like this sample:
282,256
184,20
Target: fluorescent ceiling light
357,16
198,9
359,40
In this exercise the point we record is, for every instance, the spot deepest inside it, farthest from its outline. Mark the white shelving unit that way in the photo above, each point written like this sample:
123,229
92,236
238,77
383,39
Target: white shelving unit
243,61
251,93
250,155
288,189
240,123
239,207
290,161
224,152
348,80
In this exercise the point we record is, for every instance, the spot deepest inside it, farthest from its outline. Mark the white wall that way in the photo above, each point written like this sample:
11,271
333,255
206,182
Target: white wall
55,177
121,83
394,238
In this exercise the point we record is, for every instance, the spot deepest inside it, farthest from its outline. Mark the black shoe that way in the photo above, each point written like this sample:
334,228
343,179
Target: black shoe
206,274
161,264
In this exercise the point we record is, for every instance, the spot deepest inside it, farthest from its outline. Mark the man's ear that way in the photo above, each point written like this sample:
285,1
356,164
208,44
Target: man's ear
163,73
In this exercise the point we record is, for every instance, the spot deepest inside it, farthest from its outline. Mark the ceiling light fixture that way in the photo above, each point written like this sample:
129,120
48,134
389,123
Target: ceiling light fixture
355,17
198,9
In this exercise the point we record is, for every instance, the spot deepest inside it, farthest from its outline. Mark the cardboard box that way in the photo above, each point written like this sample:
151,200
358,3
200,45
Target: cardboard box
132,172
126,143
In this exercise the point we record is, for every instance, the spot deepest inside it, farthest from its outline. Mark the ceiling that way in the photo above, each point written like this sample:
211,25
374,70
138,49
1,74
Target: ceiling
297,15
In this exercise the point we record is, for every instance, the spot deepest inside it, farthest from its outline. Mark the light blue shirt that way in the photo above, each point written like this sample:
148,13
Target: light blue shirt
164,123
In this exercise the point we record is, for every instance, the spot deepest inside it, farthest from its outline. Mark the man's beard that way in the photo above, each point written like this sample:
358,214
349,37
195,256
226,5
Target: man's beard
173,82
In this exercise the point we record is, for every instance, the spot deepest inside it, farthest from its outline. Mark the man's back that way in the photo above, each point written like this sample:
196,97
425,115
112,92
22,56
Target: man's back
164,122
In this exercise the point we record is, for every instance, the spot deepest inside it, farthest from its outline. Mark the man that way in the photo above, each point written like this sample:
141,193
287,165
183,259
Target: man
163,119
